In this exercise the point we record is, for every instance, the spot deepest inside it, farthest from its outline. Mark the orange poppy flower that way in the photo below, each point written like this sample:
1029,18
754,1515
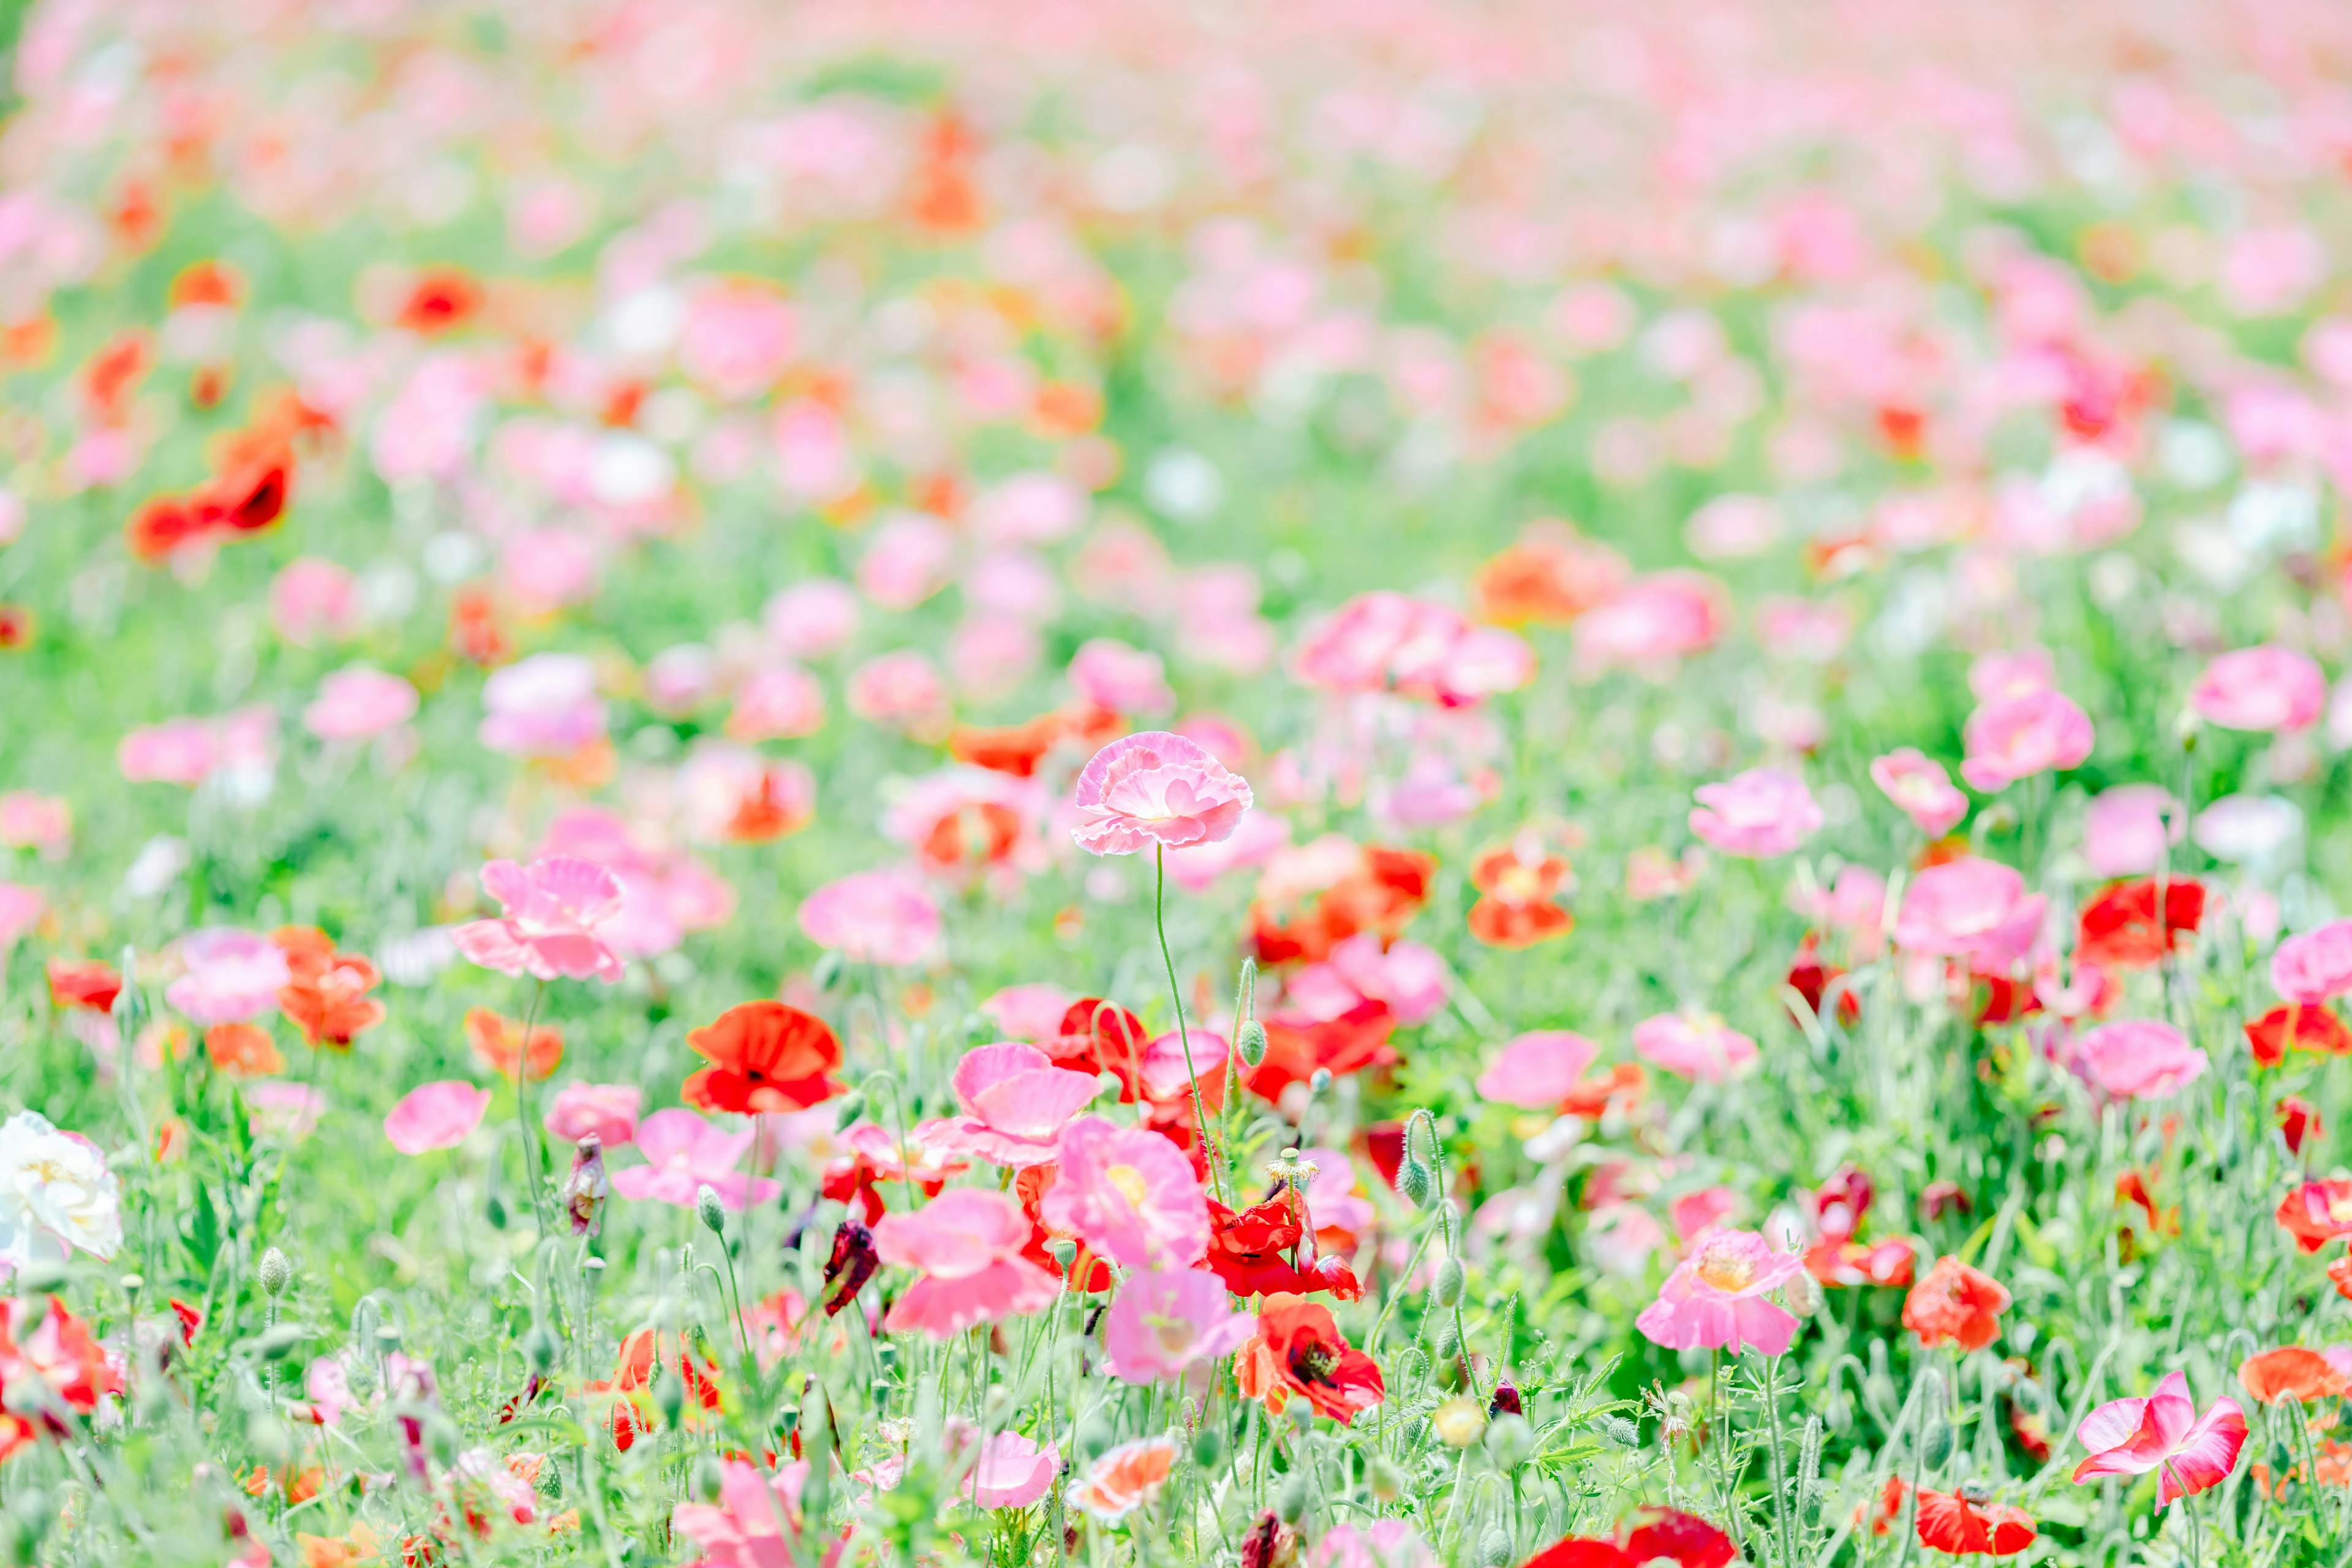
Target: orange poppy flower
2307,1026
1516,909
1954,1304
1299,1352
1015,749
243,1050
1379,893
2292,1373
440,300
90,983
498,1043
326,993
1550,577
766,1057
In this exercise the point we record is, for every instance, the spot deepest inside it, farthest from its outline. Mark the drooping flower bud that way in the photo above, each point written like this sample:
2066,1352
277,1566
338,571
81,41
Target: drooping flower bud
1507,1400
1445,1287
709,1210
1495,1548
669,1395
852,1264
1251,1043
584,1191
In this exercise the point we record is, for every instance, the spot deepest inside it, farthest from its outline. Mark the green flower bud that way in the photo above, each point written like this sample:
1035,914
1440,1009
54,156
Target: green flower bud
1297,1493
669,1395
1495,1548
541,1348
707,1477
1936,1440
1385,1480
1415,1183
848,1109
1624,1433
1251,1043
1803,1294
709,1210
1509,1440
1209,1447
275,1273
1446,1288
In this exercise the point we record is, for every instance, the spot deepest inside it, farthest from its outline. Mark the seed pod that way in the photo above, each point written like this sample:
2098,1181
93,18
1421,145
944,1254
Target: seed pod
275,1273
1321,1082
1445,1289
1935,1440
709,1210
1251,1043
1209,1447
1495,1548
669,1396
1297,1493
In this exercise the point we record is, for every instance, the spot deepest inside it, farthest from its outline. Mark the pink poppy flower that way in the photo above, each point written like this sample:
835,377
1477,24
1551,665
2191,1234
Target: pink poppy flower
1016,1103
314,601
755,1523
1333,1203
777,703
1921,789
907,561
872,917
2012,738
2267,687
232,975
1260,835
1162,1066
811,619
1012,1471
1970,908
607,1110
1111,675
1377,1543
2020,673
685,1154
1031,1012
1758,814
2126,828
2316,965
20,912
1715,1298
1653,620
2163,1432
2136,1059
1029,508
968,1244
1408,979
552,907
1165,1320
543,706
190,750
901,690
1156,788
29,821
435,1116
1697,1046
355,703
1695,1213
1537,1070
665,891
1128,1195
282,1110
737,339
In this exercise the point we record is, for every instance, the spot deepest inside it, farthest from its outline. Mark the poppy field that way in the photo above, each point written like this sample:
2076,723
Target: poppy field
1401,785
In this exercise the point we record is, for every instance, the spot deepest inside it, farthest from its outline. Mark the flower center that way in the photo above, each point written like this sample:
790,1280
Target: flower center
1129,1182
1725,1268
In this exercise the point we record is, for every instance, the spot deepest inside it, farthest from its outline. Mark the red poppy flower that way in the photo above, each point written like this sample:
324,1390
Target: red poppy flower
1098,1036
2307,1026
1016,749
498,1044
2317,1213
1664,1534
1954,1304
1839,1202
1516,909
440,300
2119,929
90,983
633,1375
1092,1273
1249,1249
16,628
2293,1372
1299,1352
2004,1000
2339,1274
1811,977
2299,1119
768,1057
1297,1048
976,834
1620,1089
1958,1525
1379,893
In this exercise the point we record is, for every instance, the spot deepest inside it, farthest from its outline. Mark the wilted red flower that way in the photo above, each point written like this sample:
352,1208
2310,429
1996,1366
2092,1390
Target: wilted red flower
498,1043
2317,1213
1253,1251
1812,976
767,1056
1299,1350
1954,1304
2292,1373
1958,1525
2303,1026
1839,1202
1516,883
89,983
2119,929
1936,1198
851,1265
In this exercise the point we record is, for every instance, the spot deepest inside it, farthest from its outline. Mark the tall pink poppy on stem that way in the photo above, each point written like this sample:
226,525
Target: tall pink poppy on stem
2315,965
1537,1069
1969,908
2014,738
872,917
1128,1195
435,1116
1762,813
967,1243
2267,687
2136,1059
1012,1471
1015,1102
1167,1319
1920,787
552,907
685,1154
2163,1432
1714,1298
1697,1046
1156,789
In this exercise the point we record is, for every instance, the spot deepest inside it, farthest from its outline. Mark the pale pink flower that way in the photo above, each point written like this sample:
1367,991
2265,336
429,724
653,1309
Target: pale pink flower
190,750
1333,1202
1165,1320
737,339
552,907
815,460
1695,1213
665,891
2163,1432
282,1110
1259,835
1855,903
1921,789
755,1523
2022,673
1377,1543
1622,1238
811,618
358,702
1697,1046
543,706
544,569
1156,788
435,1116
20,912
1970,908
1758,814
609,1110
1111,675
1652,621
29,821
1714,1298
232,976
2012,738
2315,965
2126,828
968,1244
872,917
681,678
902,689
1410,980
2262,688
1537,1070
314,601
726,791
907,561
1012,1471
779,702
1128,1195
2136,1059
1029,508
1015,1102
685,1154
1031,1012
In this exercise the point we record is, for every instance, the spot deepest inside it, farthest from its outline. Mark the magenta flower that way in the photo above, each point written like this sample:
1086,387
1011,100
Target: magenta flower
1015,1101
1156,788
2013,737
1714,1298
232,975
1969,908
435,1116
2267,687
607,1110
1539,1069
358,702
967,1243
2163,1432
1921,789
872,917
553,909
2136,1059
2316,965
1012,1471
1128,1195
1165,1320
1697,1046
1762,813
684,1152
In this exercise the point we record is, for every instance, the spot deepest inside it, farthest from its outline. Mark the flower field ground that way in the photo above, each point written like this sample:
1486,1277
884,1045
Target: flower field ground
1383,784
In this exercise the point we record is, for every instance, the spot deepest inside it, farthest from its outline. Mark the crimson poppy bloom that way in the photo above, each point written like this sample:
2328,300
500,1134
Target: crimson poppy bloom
1958,1524
1812,976
2119,929
1664,1534
1098,1036
2299,1119
2303,1026
2317,1213
1954,1304
90,983
1297,1048
1299,1352
767,1056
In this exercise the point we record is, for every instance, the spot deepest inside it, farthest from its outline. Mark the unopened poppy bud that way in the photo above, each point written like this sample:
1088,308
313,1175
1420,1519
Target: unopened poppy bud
1209,1447
1624,1433
1297,1493
541,1348
1804,1293
669,1395
1510,1439
275,1272
1507,1400
707,1477
1445,1289
1414,1183
1495,1548
1936,1440
268,1437
848,1109
1442,1341
2028,1396
1385,1480
1321,1082
1458,1422
495,1212
709,1210
1250,1041
1302,1415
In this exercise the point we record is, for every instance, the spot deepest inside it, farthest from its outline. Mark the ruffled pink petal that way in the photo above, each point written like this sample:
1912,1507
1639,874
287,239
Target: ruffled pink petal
983,1066
945,1308
1760,1325
493,944
583,890
2111,1425
1036,1104
970,1136
2207,1453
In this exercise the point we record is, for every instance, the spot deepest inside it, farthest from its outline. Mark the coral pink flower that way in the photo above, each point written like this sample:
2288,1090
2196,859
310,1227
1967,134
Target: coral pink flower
1012,1471
1015,1101
543,706
2163,1432
901,690
684,1154
552,907
607,1110
1920,787
1031,1012
812,619
1655,619
2315,965
1758,814
2012,738
314,601
777,703
907,561
755,1523
1156,788
1969,908
1127,1477
1715,1298
355,703
1537,1070
20,912
1167,1319
435,1116
1697,1046
2126,829
1130,1195
29,821
1123,680
968,1244
872,917
2267,687
2136,1059
232,976
737,339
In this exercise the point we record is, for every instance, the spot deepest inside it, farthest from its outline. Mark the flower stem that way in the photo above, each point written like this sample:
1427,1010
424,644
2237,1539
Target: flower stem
523,1110
1176,994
